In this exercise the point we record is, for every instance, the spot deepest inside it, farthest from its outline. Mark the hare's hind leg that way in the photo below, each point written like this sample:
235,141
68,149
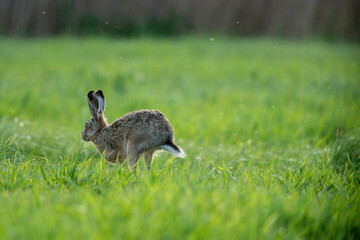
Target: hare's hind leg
148,156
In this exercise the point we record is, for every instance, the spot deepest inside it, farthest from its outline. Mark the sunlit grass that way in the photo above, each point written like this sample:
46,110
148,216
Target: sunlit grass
259,120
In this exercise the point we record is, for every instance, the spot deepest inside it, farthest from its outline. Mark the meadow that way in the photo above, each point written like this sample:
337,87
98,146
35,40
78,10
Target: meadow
271,129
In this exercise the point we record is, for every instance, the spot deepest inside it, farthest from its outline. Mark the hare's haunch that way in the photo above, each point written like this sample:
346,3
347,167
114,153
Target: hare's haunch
135,134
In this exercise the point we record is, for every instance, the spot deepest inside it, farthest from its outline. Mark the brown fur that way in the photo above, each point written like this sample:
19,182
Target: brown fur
134,134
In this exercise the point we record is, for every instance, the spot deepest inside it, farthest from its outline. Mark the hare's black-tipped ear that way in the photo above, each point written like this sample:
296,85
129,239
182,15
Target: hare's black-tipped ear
93,104
102,103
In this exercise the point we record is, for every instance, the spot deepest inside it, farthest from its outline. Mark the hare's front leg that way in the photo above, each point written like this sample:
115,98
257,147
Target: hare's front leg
114,156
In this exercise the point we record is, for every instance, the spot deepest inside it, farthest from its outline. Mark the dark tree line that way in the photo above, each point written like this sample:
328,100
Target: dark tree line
295,18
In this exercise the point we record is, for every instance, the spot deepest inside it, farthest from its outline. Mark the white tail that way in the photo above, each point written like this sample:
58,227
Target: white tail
176,150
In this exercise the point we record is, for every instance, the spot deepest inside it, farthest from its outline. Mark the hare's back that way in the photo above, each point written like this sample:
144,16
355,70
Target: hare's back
145,123
147,129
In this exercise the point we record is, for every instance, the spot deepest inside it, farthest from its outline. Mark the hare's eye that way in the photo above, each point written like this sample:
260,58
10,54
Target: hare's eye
87,124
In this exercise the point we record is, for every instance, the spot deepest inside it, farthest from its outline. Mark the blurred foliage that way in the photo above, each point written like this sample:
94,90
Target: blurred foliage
296,19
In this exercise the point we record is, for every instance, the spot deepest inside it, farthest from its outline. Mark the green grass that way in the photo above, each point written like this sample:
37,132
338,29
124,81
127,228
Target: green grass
259,120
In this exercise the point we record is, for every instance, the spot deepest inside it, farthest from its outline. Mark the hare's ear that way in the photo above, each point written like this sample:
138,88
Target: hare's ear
102,103
93,104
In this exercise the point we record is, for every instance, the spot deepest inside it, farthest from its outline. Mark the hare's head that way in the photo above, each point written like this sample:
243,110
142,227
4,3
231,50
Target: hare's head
97,122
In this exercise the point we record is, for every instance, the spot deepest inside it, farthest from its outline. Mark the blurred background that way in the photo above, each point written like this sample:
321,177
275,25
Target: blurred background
263,96
331,19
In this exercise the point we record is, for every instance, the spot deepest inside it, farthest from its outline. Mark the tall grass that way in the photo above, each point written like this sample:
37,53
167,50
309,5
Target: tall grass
259,120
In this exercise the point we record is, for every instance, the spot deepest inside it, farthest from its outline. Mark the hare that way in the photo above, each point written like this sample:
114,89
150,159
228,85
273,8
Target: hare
135,134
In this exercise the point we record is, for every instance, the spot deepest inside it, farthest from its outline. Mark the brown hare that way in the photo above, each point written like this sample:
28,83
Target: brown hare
135,134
